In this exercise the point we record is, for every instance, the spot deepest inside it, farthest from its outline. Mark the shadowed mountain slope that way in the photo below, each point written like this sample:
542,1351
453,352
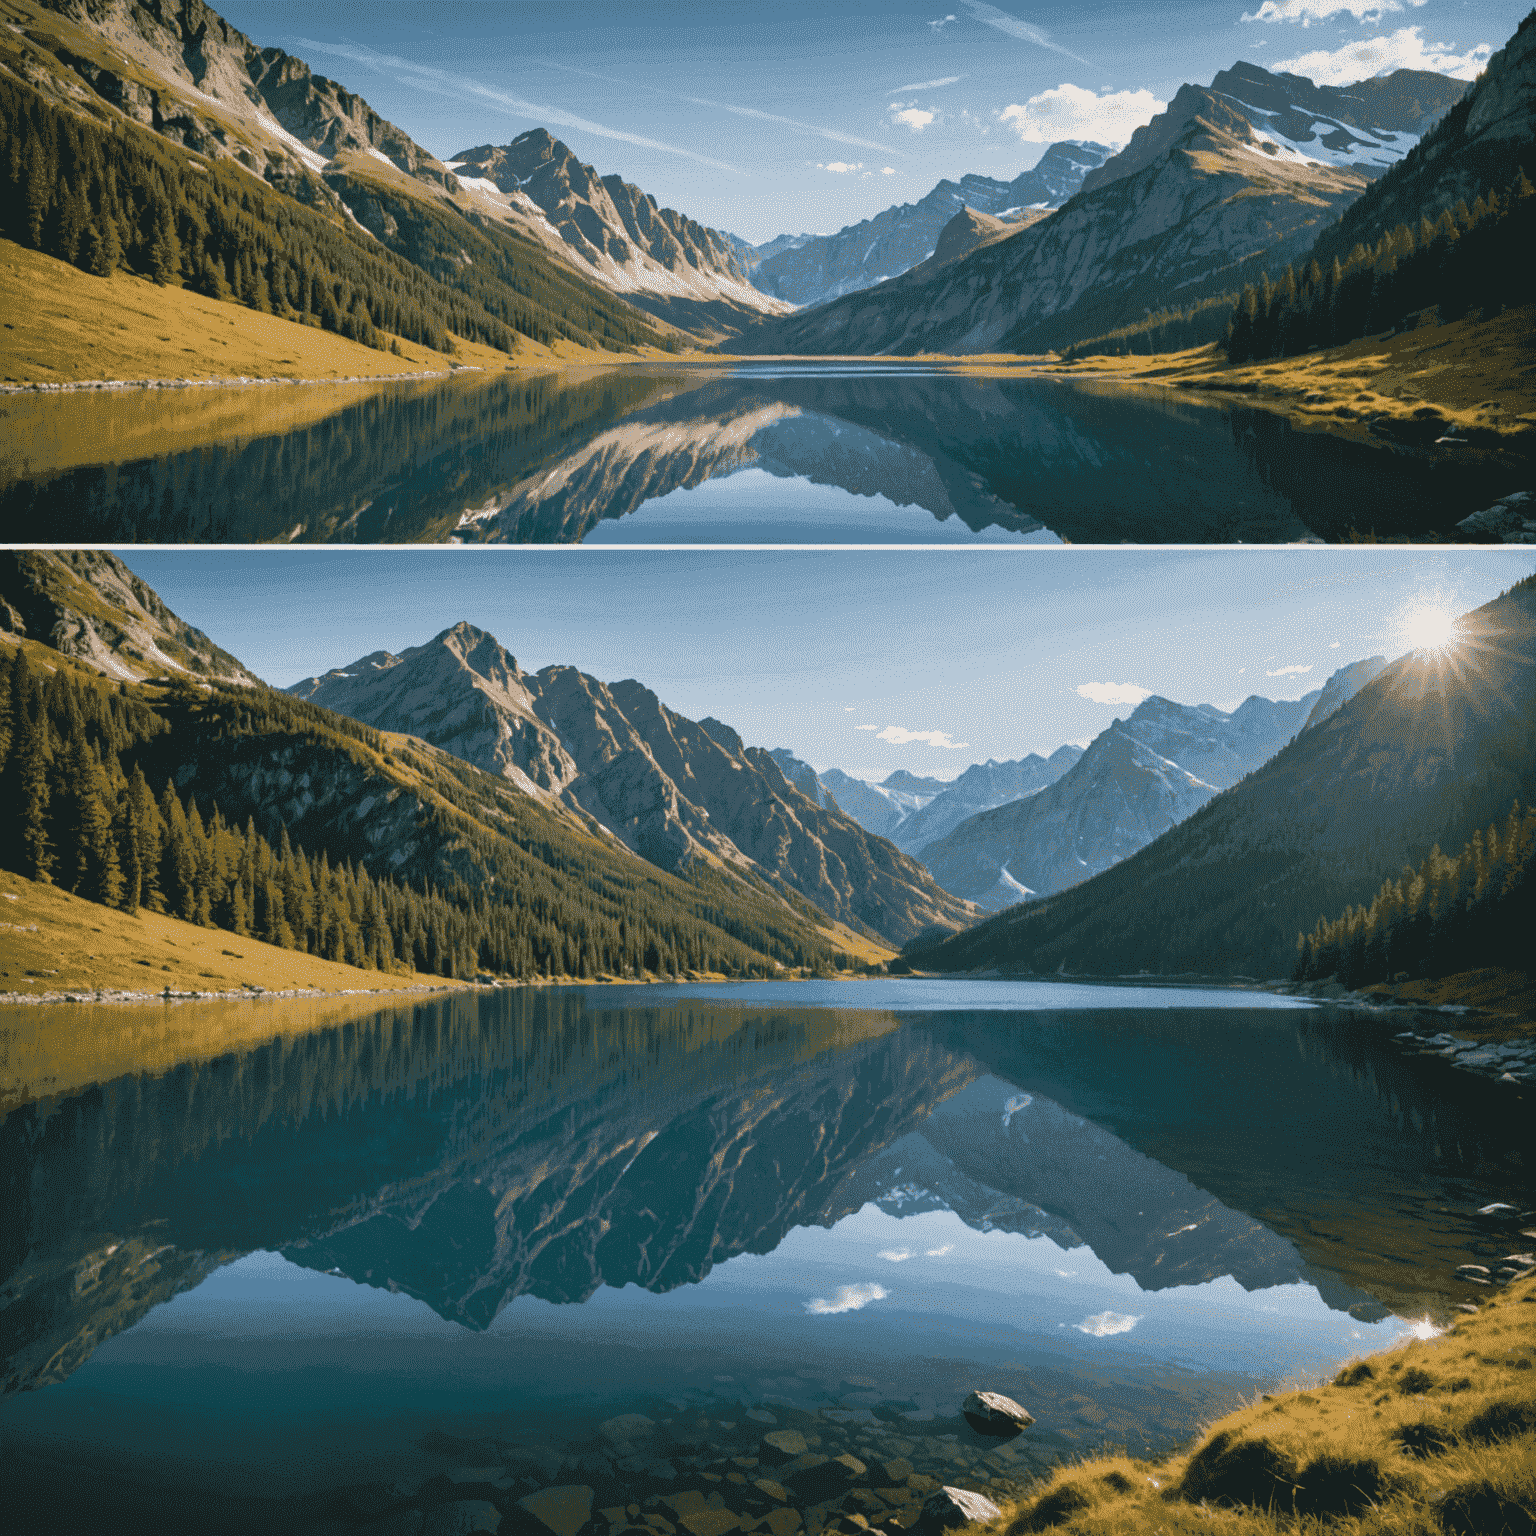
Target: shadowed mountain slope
1435,747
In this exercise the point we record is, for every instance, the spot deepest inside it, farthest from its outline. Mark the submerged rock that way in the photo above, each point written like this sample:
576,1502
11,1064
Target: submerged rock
563,1510
990,1413
957,1506
462,1518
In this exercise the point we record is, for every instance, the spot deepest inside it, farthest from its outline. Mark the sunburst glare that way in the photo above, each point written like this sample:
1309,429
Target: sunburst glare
1430,629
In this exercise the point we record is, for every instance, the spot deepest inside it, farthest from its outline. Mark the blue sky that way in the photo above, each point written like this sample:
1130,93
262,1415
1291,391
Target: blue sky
862,660
761,119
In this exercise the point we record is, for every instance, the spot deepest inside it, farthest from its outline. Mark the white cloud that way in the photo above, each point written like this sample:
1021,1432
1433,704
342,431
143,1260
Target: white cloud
1403,49
887,170
932,85
1333,645
849,1298
941,23
866,727
914,118
1288,672
900,736
1308,11
840,167
991,16
938,1253
1071,112
895,1255
1102,1324
848,709
1114,693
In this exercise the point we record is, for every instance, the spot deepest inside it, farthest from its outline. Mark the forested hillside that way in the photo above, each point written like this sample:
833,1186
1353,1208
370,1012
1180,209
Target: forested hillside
1450,914
108,194
244,809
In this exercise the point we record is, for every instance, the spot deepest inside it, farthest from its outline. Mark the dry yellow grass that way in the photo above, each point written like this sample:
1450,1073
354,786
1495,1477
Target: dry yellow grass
52,942
65,326
1434,1438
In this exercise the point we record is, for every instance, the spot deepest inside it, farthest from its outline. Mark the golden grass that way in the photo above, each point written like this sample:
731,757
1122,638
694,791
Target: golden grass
1480,375
1505,1000
52,942
65,326
1433,1438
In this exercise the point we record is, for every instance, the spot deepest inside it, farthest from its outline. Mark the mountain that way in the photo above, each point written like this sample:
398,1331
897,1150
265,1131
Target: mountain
1480,145
1434,748
159,138
979,788
812,270
1136,780
677,792
89,605
660,260
1227,179
456,869
1342,687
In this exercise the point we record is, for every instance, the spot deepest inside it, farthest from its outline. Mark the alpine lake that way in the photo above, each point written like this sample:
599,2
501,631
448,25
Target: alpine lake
696,1259
767,453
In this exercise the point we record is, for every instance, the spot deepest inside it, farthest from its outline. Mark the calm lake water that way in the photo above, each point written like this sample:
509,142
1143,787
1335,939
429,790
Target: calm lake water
762,453
430,1252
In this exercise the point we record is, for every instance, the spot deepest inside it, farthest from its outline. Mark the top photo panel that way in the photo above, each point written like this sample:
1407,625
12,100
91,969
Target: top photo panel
680,273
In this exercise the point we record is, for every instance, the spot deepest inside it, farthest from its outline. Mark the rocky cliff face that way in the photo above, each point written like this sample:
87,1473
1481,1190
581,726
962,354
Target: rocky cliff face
1203,197
1342,687
673,790
979,788
814,269
88,604
658,258
1135,781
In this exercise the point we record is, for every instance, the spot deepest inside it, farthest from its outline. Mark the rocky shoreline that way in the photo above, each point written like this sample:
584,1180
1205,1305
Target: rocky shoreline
41,387
770,1471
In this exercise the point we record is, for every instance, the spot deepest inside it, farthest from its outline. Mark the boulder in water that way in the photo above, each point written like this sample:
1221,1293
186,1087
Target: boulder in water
990,1413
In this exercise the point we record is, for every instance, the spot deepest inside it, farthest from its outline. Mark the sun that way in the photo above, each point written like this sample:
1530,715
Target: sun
1430,629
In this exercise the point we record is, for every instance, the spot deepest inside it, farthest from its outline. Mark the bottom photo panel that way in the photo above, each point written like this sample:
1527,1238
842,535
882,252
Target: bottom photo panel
698,1042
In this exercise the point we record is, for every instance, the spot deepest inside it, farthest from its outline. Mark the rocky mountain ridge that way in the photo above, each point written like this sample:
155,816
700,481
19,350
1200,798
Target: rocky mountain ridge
1135,781
661,260
674,791
814,269
87,604
1203,196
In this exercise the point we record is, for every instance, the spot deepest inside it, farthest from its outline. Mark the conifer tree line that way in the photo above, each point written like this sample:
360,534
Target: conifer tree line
104,197
1456,913
1467,258
1169,330
81,812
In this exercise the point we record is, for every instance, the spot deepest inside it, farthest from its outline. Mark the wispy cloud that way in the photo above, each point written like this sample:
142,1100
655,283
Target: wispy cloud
991,16
1102,1324
848,1298
942,22
1071,112
1295,671
938,1253
914,118
1403,49
1113,693
895,1255
900,736
887,170
1308,11
444,82
931,85
840,167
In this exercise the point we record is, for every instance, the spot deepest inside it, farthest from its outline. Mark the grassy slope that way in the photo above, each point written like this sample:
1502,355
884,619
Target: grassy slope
1467,1400
63,326
1505,1002
1480,375
53,942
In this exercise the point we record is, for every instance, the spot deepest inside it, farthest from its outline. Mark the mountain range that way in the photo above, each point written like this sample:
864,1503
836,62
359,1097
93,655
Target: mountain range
813,269
1434,747
672,790
1227,179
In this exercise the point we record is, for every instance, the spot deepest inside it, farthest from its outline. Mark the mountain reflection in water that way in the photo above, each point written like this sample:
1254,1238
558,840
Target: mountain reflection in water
898,455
